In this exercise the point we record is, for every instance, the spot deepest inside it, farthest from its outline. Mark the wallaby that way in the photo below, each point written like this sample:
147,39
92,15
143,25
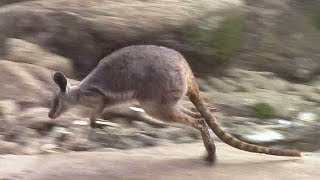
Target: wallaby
157,78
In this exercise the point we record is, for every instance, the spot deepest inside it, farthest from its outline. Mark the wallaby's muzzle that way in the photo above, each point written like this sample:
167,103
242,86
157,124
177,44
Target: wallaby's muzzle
51,115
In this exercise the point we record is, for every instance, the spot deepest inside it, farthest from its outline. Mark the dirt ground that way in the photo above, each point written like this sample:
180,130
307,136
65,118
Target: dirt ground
182,161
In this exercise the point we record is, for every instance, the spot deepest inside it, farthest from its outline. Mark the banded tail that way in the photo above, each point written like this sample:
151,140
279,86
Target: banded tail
198,101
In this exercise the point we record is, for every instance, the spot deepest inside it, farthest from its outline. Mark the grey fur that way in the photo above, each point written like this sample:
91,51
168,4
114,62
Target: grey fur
155,77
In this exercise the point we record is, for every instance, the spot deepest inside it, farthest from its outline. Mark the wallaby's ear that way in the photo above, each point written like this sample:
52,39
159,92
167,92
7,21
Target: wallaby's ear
60,80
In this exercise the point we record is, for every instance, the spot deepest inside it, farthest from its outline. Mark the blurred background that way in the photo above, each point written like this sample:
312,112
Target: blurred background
257,61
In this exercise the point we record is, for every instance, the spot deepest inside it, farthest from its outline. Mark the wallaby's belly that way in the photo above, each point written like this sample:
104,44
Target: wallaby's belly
147,73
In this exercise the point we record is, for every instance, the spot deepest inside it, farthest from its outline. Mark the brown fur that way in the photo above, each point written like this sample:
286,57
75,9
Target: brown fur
157,78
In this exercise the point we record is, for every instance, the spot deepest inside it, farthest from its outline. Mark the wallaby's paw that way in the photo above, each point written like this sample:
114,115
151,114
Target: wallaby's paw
211,159
93,125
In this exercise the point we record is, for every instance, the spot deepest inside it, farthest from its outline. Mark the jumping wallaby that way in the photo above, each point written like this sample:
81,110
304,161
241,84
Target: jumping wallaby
157,78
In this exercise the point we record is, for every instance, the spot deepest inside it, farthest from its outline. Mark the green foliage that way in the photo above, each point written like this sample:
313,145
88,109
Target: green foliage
222,42
264,110
317,21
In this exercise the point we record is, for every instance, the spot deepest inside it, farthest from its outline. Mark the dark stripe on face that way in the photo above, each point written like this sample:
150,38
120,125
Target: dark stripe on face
55,104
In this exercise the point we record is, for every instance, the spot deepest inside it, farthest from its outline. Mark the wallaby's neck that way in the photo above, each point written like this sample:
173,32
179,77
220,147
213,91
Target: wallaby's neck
73,94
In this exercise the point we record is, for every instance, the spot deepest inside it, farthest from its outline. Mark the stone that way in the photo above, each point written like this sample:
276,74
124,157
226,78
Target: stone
308,116
145,139
312,97
93,32
37,118
25,52
265,136
242,103
19,84
60,134
221,85
204,85
9,148
8,108
141,125
50,148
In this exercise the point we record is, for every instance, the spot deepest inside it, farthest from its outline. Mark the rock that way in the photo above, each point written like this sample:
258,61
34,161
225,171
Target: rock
37,118
312,97
204,86
146,140
141,125
186,139
9,148
250,80
113,138
267,40
79,146
265,136
50,148
81,122
221,85
8,108
60,134
25,82
175,133
6,2
301,89
92,31
25,52
241,103
308,116
136,109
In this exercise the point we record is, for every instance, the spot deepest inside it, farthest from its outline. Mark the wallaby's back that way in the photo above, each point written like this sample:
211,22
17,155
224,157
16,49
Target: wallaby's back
144,72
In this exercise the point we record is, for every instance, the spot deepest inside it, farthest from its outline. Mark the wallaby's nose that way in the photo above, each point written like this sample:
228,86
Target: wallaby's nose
50,115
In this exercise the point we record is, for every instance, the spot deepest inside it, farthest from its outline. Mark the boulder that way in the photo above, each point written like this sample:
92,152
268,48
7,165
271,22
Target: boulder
282,37
27,84
25,52
9,147
8,108
85,32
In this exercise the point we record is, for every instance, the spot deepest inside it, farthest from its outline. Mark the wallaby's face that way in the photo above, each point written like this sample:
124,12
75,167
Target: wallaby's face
61,101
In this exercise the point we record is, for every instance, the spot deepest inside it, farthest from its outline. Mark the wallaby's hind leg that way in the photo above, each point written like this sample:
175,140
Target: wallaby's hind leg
175,114
190,113
195,114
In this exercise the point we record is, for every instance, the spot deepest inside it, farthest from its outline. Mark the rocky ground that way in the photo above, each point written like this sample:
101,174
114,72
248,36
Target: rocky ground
256,106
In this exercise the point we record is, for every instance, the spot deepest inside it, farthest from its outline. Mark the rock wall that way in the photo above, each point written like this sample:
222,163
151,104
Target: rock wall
282,37
86,31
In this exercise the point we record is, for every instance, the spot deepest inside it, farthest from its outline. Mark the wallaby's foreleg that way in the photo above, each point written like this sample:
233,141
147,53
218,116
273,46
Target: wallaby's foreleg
174,114
96,112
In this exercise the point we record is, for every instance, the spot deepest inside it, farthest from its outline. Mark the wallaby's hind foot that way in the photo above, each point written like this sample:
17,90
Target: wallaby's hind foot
177,114
93,125
207,140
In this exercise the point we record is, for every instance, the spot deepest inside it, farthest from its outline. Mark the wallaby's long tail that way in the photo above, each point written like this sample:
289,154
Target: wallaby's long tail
195,97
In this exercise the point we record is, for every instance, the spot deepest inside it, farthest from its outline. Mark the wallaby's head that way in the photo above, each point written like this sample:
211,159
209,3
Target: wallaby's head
63,99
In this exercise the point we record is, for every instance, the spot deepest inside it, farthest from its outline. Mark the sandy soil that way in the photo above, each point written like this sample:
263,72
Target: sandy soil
183,161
